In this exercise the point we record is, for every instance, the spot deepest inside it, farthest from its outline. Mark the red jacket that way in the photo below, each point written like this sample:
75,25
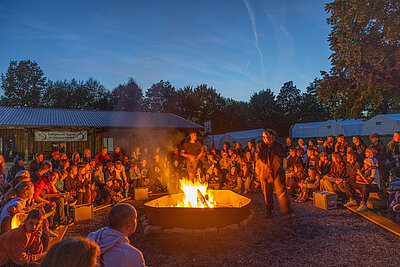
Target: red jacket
102,159
43,187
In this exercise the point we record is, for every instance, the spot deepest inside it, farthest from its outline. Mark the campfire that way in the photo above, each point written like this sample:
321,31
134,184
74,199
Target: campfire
198,207
196,195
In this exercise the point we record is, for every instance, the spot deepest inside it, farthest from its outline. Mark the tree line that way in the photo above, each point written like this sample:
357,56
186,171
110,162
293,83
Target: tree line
364,80
25,85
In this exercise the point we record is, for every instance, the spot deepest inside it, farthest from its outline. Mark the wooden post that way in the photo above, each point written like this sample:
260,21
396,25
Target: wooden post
26,137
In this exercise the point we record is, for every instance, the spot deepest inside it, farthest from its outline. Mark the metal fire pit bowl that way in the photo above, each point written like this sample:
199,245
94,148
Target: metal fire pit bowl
231,208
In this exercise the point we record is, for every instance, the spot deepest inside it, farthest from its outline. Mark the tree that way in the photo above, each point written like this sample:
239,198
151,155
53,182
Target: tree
127,97
365,72
264,111
74,94
23,84
311,108
289,100
161,97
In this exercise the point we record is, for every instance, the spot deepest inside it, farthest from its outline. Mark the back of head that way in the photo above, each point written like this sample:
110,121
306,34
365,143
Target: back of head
119,215
72,253
36,214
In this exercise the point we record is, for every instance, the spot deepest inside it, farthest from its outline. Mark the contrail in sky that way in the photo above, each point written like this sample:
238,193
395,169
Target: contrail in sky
256,42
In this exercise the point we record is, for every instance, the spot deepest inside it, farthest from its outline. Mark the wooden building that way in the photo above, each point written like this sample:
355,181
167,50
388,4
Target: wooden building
27,131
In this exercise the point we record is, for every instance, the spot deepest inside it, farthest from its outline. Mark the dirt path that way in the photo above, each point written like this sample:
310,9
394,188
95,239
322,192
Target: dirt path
315,237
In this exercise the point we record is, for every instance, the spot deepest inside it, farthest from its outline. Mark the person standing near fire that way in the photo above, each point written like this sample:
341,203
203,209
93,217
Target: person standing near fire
269,170
192,150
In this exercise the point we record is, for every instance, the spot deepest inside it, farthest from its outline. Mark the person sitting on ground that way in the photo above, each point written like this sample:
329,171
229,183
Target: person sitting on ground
377,144
110,172
368,180
236,160
393,154
75,159
23,245
98,176
292,160
352,168
113,240
120,174
341,145
303,156
44,168
288,146
308,185
214,182
64,164
18,166
82,186
46,185
34,165
21,176
116,155
55,161
87,154
199,175
15,201
245,180
358,147
251,148
302,145
338,171
103,157
232,180
134,177
329,145
320,145
75,252
224,165
293,179
312,159
108,193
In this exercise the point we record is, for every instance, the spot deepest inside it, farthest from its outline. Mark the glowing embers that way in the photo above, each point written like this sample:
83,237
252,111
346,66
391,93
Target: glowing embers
196,195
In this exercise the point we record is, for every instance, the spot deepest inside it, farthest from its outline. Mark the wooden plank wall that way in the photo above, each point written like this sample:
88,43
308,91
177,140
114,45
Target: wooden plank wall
127,139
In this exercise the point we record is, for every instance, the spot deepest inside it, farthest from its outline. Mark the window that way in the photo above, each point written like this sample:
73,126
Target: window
378,123
109,143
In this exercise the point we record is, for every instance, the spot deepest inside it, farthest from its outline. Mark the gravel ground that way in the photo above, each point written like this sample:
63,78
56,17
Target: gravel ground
314,237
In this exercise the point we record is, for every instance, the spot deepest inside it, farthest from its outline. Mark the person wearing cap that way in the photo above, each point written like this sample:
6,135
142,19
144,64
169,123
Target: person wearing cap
55,161
368,180
269,170
18,166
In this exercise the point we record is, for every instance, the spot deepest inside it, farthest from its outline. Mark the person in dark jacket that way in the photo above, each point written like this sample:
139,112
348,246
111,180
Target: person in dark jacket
378,145
269,170
18,166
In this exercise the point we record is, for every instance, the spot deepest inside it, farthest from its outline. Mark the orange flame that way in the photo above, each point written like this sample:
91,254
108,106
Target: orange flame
191,197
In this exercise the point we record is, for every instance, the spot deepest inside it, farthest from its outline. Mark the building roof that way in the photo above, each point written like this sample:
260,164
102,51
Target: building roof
16,116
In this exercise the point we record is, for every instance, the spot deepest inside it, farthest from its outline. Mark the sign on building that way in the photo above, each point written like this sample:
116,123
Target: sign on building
60,136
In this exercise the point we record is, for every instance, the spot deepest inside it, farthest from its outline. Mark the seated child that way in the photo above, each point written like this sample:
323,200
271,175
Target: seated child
292,179
215,179
108,194
309,185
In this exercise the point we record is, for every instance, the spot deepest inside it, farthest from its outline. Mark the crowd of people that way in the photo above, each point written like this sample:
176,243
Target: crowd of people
352,171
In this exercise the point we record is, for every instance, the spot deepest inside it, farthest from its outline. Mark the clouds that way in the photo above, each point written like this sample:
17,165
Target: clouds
255,33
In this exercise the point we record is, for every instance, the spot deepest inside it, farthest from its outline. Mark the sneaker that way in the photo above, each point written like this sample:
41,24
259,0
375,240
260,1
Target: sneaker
362,207
51,233
351,202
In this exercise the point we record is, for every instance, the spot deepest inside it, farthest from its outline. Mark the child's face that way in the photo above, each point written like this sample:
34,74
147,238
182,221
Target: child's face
292,153
310,153
311,173
299,153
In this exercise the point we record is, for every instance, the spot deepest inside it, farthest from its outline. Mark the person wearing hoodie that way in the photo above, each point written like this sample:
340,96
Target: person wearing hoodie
113,240
18,166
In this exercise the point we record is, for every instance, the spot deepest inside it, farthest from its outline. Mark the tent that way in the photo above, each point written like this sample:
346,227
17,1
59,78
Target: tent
212,141
385,124
304,130
346,127
241,137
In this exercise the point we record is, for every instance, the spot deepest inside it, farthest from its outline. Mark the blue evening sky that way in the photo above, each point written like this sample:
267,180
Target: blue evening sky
236,46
